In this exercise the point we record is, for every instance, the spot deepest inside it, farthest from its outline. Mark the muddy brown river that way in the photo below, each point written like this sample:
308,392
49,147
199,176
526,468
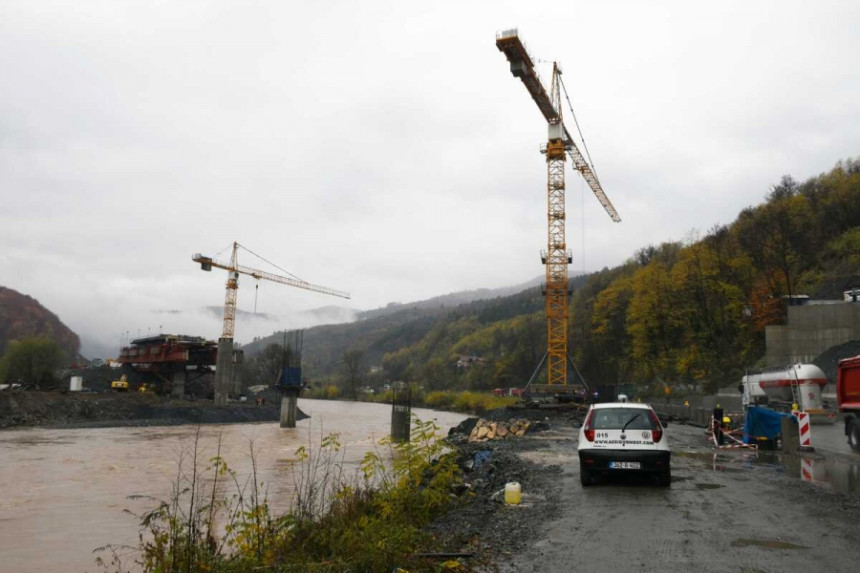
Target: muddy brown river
64,491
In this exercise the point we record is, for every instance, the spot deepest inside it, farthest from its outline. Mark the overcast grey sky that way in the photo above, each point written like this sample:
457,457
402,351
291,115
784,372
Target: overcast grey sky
383,148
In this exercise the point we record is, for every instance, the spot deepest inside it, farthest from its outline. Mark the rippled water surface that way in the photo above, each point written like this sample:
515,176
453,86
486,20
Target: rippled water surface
64,491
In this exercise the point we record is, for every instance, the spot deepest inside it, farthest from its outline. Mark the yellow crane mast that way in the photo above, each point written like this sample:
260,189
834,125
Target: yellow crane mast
223,368
557,256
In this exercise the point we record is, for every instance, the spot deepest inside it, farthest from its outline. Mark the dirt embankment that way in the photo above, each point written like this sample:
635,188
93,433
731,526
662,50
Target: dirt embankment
483,526
19,409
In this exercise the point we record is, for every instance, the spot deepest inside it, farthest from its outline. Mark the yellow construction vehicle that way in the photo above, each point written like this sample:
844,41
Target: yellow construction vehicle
120,385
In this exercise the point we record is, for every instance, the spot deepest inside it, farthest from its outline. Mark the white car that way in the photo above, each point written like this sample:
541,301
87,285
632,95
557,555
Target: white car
623,438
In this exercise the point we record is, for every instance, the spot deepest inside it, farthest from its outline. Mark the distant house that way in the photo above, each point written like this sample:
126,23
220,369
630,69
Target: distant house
468,361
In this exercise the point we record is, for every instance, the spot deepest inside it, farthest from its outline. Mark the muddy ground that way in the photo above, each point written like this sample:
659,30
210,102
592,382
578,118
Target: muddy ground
727,510
80,410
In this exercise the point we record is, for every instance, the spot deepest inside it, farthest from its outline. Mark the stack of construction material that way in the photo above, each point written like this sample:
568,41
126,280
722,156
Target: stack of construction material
485,430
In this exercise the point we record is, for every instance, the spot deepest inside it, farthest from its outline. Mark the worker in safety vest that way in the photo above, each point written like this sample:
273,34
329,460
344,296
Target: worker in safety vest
717,424
795,407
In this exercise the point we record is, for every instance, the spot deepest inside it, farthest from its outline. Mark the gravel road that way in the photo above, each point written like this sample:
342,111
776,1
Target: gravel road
725,511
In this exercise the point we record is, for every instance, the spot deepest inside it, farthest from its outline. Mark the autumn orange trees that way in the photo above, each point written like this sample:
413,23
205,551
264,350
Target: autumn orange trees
695,313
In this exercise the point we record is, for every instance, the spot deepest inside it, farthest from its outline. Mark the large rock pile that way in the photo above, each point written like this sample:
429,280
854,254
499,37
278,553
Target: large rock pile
486,430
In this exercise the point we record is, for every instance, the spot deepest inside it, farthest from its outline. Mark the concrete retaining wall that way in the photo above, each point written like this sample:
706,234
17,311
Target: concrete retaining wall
810,330
699,415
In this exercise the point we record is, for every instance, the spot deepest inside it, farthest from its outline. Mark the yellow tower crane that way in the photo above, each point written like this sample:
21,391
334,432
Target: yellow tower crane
557,256
223,368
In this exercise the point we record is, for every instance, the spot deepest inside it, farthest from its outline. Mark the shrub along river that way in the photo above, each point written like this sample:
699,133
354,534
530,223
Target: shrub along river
64,491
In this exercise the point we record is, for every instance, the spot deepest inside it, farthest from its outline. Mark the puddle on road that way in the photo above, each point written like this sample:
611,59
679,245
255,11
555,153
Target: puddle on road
767,543
836,473
708,486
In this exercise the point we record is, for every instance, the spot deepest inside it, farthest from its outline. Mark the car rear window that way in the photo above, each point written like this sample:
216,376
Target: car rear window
616,418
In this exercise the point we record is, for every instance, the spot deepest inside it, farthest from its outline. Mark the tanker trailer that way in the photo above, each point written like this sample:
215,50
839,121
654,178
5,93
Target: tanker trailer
780,388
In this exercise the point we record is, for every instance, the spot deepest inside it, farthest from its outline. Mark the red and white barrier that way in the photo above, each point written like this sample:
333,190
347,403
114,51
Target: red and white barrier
806,469
712,434
805,428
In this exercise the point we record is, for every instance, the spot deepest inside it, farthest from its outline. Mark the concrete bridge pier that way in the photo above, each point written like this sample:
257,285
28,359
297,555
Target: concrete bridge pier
223,370
178,390
401,413
289,406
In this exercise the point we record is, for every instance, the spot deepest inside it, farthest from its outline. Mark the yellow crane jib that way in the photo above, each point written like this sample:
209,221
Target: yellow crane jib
522,67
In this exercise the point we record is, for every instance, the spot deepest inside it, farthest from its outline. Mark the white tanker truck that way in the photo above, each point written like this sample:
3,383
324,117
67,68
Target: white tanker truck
780,388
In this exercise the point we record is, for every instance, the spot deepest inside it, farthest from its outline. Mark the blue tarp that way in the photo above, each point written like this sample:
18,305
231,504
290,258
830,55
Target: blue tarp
762,423
291,377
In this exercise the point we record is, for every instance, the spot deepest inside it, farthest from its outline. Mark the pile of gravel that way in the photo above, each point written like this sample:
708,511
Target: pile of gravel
828,360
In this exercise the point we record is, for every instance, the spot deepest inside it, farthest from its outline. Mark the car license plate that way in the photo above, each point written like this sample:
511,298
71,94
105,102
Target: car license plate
624,465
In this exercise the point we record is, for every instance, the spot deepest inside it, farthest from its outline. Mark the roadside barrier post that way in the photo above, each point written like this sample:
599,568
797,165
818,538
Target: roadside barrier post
805,431
790,437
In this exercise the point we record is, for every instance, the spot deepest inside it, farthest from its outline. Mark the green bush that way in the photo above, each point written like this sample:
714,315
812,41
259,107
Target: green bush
31,361
440,400
478,403
384,397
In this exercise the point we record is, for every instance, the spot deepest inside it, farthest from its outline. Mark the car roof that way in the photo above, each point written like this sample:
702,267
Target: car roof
603,405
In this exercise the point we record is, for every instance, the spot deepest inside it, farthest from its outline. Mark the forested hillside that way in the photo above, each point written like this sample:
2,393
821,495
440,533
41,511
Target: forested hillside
22,316
681,312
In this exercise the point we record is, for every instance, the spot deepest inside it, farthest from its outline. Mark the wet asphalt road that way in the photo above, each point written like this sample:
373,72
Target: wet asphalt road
831,438
725,511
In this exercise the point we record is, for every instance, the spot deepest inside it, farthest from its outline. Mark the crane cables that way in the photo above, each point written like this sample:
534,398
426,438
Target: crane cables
576,123
222,251
273,264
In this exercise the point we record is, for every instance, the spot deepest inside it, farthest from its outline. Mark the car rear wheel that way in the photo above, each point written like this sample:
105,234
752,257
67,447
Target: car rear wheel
665,479
854,434
585,477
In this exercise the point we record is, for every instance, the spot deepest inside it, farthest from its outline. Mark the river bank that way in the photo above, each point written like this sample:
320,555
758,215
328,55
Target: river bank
482,528
63,409
108,410
478,524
